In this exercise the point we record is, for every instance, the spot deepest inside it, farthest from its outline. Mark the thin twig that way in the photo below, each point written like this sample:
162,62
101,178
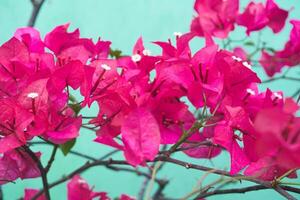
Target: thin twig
231,191
1,193
143,189
281,78
280,189
152,180
37,5
42,171
52,158
225,173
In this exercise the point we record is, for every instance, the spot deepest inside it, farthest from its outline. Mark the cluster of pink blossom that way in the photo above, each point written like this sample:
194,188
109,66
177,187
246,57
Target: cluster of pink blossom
140,97
78,189
217,18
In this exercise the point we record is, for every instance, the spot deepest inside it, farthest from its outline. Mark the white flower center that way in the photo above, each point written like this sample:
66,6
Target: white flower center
81,181
246,64
277,95
136,57
147,52
236,58
250,91
32,95
177,34
106,67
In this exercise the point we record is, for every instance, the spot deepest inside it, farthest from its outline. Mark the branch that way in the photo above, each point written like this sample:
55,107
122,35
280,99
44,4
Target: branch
225,173
231,191
37,4
42,171
1,193
281,77
51,160
108,163
138,173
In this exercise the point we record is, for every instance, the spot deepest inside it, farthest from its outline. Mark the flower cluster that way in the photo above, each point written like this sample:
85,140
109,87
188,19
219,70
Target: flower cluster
78,189
145,100
218,18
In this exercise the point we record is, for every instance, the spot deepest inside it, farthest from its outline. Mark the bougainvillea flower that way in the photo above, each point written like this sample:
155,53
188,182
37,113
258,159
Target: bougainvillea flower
278,132
13,125
290,54
31,37
30,193
215,17
206,135
69,45
236,119
271,63
78,189
254,17
126,197
208,81
181,50
70,74
240,53
137,128
16,164
172,116
276,16
267,169
63,128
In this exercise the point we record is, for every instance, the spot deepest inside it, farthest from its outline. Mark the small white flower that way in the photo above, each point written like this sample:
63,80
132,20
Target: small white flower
136,57
246,64
177,34
147,52
250,91
81,181
104,116
106,67
32,95
277,95
236,58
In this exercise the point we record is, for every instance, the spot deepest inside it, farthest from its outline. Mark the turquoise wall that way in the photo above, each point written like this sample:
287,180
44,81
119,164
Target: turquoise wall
122,22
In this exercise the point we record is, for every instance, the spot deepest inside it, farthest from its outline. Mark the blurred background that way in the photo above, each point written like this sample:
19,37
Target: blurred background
122,22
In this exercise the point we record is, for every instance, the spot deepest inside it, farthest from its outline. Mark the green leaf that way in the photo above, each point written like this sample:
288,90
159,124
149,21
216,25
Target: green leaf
72,98
66,147
270,49
115,53
75,107
249,43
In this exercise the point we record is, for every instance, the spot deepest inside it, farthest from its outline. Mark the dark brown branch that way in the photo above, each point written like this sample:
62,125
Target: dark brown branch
159,192
231,191
206,143
242,190
76,153
291,189
42,171
225,173
37,4
281,77
109,154
52,158
81,169
1,193
280,189
138,173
